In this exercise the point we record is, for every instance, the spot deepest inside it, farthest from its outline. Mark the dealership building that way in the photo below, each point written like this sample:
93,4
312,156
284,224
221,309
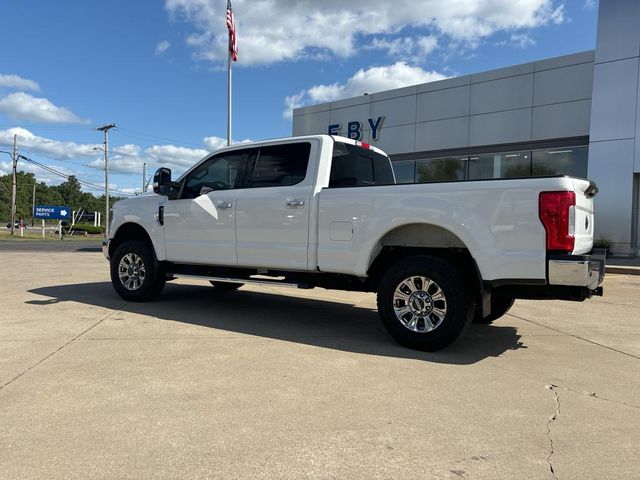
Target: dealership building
577,115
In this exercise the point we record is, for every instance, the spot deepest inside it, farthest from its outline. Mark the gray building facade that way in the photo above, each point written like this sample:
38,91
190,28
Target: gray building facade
576,114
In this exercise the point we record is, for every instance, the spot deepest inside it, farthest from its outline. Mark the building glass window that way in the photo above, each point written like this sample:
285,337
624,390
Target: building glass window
441,169
500,165
537,163
561,161
405,171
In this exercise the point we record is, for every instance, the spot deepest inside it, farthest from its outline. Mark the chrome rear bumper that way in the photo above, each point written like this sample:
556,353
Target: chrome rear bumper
577,270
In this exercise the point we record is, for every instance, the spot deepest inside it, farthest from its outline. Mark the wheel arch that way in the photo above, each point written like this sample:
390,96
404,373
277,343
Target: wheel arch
130,231
425,239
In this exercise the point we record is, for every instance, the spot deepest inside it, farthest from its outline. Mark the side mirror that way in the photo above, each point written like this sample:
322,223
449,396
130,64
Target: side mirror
162,182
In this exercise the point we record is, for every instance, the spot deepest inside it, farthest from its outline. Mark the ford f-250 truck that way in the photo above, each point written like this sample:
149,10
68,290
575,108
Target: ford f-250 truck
325,211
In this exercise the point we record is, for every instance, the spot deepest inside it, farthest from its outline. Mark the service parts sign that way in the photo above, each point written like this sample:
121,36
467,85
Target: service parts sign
51,212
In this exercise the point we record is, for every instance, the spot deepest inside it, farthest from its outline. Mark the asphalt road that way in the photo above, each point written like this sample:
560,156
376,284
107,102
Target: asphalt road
64,245
269,383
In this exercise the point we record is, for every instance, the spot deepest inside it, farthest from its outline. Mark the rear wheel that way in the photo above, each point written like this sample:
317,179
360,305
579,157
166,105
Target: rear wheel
500,305
424,303
226,286
135,274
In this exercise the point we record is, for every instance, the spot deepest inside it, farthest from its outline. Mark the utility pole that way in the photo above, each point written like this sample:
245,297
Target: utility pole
105,129
13,185
33,208
144,177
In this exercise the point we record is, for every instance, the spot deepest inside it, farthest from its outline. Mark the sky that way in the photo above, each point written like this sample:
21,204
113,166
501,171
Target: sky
157,69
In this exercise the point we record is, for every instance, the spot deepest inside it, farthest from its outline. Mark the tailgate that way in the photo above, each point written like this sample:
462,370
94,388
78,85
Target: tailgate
583,215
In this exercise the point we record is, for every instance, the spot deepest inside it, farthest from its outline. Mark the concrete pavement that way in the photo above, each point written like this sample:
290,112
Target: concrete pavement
275,383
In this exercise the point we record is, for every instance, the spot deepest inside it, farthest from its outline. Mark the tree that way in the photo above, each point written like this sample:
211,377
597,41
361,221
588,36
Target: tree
68,194
71,192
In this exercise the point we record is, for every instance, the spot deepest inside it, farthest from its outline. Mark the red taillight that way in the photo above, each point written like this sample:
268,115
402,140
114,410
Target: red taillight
364,145
556,215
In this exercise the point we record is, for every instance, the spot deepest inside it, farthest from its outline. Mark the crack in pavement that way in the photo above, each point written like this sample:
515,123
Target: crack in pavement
552,419
106,317
578,337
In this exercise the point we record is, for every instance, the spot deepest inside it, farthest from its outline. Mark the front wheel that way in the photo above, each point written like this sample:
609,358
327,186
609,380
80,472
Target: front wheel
135,274
423,303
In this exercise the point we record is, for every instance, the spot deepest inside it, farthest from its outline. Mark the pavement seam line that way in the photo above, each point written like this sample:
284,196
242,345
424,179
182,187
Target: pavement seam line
552,419
576,337
106,317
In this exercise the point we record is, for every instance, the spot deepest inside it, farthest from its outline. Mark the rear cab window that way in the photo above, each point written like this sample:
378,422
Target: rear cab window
355,166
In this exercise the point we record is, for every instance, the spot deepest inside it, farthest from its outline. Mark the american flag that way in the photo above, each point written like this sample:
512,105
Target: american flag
231,26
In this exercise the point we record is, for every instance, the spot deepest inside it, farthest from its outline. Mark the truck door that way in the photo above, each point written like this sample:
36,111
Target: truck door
200,226
272,209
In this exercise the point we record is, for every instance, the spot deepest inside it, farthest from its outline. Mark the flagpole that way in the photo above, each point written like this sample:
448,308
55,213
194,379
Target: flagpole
228,98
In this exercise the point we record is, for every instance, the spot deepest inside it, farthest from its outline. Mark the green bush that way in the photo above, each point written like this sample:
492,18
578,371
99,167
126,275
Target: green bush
85,227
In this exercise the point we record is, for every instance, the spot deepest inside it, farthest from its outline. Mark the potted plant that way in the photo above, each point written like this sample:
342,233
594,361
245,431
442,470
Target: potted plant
603,244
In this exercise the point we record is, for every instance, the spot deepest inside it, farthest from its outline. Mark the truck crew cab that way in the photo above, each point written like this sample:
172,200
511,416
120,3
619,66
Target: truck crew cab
325,211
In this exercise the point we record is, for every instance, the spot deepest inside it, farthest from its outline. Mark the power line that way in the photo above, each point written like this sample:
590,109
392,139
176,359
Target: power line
127,132
135,134
88,165
65,176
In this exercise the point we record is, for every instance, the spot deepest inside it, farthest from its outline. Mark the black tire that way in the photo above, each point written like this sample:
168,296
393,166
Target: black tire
226,286
500,305
143,287
430,332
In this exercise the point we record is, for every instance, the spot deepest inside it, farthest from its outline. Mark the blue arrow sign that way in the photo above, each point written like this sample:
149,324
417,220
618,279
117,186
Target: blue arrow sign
52,212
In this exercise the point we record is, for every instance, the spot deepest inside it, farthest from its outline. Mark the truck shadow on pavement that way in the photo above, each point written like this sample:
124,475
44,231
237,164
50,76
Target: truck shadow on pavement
286,317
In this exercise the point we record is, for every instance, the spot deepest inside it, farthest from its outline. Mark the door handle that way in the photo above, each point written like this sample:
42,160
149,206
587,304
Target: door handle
223,204
295,203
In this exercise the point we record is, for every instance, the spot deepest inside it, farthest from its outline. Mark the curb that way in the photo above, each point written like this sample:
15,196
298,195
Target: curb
621,270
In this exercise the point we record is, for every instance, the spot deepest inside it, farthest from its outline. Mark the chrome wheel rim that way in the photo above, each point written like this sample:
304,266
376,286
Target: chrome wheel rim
419,304
132,271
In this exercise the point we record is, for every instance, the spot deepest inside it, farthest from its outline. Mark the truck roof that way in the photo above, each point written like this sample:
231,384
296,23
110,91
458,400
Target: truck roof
335,138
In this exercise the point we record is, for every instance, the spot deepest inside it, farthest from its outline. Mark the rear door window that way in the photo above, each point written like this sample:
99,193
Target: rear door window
280,165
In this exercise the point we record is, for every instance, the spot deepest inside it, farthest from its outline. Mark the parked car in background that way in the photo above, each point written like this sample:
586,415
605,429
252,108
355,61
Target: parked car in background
17,224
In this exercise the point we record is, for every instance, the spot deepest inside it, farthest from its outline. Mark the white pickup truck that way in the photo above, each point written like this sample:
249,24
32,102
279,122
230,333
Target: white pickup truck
325,211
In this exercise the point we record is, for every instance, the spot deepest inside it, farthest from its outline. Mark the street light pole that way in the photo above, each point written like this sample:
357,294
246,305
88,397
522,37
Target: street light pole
144,177
105,129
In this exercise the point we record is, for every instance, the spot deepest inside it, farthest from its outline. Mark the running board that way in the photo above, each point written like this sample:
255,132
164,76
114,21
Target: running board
252,281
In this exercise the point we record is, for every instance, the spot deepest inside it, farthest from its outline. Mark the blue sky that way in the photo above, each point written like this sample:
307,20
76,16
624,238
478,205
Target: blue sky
157,68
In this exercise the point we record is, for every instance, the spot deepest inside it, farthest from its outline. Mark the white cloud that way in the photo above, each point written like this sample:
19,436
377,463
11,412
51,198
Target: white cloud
18,83
127,149
372,80
589,4
22,106
130,158
214,143
168,155
270,31
412,48
162,47
127,158
522,40
46,146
